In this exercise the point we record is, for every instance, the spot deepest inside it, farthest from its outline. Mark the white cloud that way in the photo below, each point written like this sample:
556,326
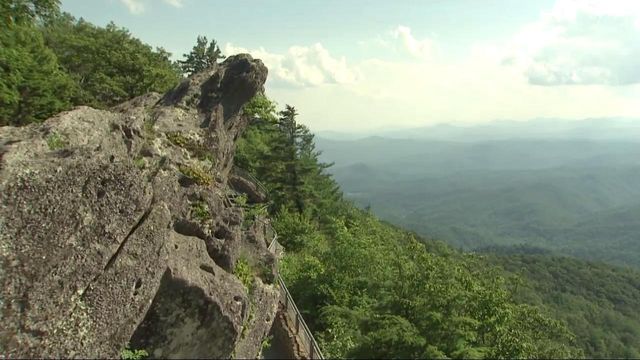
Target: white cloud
175,3
475,88
301,66
139,6
423,49
581,42
494,80
134,6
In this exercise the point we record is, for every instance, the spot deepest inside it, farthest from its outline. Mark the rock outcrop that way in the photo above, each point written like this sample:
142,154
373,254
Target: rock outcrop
116,228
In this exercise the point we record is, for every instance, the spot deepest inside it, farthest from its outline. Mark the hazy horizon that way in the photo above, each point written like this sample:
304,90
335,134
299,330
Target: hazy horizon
619,128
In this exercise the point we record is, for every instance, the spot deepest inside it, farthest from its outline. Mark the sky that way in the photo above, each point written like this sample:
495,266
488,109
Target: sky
361,65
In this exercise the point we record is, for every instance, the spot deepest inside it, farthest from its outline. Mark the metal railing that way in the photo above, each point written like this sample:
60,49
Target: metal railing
303,334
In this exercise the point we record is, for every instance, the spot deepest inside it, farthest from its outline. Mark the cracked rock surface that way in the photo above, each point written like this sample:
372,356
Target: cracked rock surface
116,228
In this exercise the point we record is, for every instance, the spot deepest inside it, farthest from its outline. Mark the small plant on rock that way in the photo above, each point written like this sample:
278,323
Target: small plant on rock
266,343
140,163
128,354
55,141
243,272
197,174
200,210
241,200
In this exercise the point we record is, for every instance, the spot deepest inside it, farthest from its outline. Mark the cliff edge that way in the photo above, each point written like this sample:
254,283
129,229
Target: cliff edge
116,228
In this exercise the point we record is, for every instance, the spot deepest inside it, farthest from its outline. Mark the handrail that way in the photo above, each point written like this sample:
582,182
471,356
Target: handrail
289,303
314,349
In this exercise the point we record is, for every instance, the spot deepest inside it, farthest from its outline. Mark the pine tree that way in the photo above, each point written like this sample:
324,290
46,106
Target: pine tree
203,56
281,152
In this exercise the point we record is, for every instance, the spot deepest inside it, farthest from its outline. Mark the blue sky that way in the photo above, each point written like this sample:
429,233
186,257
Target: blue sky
357,65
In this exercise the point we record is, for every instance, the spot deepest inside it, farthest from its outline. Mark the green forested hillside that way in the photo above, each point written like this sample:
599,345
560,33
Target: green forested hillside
575,197
598,302
50,62
368,289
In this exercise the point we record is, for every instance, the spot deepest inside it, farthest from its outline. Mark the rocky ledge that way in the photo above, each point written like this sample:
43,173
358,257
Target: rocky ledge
116,228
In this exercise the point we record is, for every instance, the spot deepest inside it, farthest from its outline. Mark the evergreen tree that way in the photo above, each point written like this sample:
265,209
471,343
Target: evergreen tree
203,56
367,289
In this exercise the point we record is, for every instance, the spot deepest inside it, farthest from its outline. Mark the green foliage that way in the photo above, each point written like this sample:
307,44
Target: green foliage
50,62
244,273
256,141
108,64
281,153
204,55
294,229
241,200
55,141
598,302
368,289
266,343
140,162
32,86
197,174
261,108
200,210
128,354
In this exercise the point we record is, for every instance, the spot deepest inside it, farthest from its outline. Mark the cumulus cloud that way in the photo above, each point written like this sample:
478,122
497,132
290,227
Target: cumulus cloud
494,80
582,42
301,66
139,6
134,6
423,49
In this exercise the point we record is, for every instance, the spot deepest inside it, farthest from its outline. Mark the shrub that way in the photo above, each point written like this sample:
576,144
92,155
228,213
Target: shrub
197,174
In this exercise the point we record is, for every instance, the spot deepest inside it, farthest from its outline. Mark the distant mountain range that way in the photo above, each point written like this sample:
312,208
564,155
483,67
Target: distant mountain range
570,187
594,129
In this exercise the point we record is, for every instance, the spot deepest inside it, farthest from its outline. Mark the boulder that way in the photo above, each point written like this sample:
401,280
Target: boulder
246,186
116,229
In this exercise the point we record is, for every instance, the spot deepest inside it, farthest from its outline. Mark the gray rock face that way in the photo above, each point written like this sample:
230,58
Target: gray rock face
116,228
